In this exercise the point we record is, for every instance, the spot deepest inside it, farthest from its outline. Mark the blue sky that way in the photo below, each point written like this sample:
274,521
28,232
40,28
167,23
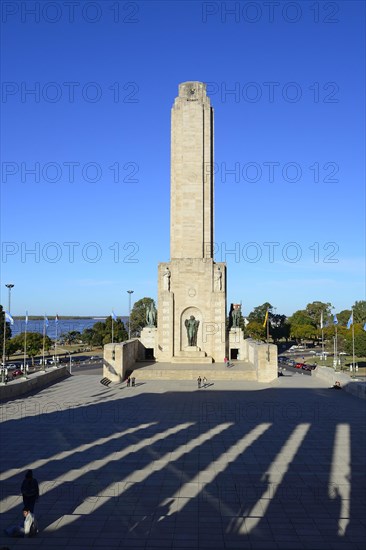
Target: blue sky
288,91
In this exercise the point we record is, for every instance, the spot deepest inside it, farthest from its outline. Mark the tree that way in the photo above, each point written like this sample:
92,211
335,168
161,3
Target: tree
34,343
10,347
87,336
359,312
101,333
360,341
72,337
259,313
138,315
119,331
301,317
98,333
315,309
301,332
279,327
7,331
343,317
256,330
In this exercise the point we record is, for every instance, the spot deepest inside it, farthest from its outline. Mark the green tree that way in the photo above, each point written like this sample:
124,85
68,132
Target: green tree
256,330
119,331
279,327
7,331
259,313
315,309
72,337
304,332
359,312
301,317
98,334
343,317
11,347
138,315
360,341
87,336
34,343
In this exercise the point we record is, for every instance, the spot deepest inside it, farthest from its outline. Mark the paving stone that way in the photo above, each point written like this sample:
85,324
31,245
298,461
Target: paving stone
111,481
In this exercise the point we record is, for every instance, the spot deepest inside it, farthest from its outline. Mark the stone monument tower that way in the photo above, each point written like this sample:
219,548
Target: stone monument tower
191,287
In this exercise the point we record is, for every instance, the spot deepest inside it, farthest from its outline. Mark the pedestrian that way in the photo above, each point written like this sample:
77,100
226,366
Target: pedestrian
30,491
199,380
128,382
29,527
204,381
133,380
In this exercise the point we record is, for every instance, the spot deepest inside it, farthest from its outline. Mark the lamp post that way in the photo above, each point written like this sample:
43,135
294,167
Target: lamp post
9,287
129,313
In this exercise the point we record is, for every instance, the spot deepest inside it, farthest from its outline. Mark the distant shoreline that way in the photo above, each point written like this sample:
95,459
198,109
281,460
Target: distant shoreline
60,317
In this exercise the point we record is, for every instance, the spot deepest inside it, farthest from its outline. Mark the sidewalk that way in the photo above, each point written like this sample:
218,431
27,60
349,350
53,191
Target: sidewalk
165,465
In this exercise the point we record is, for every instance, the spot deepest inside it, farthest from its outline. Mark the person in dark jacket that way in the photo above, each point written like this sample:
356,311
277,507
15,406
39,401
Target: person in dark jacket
30,491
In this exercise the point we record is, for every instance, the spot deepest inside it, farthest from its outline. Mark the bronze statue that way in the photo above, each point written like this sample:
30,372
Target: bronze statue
235,314
192,329
150,315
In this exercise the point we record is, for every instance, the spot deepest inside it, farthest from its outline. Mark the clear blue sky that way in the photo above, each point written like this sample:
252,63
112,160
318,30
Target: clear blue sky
292,131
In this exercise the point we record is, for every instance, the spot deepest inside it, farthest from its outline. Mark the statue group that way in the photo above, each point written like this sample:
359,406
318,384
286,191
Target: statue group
192,330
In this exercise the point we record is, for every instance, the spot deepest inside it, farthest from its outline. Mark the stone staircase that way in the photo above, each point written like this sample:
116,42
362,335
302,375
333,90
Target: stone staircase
214,371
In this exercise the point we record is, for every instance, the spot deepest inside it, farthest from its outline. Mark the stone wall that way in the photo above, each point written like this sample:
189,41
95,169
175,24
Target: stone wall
264,358
119,358
36,381
329,375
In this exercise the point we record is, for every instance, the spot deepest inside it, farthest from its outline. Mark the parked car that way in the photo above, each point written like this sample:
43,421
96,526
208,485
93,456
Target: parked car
306,367
299,365
11,366
17,372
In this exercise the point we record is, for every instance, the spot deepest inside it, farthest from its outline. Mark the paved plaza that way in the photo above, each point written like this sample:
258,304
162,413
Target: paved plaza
234,465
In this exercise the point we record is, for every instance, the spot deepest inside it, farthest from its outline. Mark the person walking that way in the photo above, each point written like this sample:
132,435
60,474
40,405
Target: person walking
30,491
199,380
204,381
128,382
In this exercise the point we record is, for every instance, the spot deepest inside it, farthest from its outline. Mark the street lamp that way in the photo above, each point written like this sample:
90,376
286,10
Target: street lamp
129,313
9,287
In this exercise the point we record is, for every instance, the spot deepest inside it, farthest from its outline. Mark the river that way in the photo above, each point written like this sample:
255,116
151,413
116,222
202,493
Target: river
62,327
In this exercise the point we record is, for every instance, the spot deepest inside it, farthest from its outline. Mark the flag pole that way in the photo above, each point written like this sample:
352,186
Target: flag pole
44,339
112,330
56,323
268,354
353,342
4,342
336,347
25,345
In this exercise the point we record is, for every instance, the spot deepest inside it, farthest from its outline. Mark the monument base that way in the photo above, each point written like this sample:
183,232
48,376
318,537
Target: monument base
148,338
237,345
213,372
192,354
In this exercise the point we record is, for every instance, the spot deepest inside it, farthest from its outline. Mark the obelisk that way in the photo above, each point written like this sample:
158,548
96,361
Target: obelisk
191,287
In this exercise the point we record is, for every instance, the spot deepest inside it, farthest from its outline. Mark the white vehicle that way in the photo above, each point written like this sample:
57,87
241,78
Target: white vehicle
11,366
